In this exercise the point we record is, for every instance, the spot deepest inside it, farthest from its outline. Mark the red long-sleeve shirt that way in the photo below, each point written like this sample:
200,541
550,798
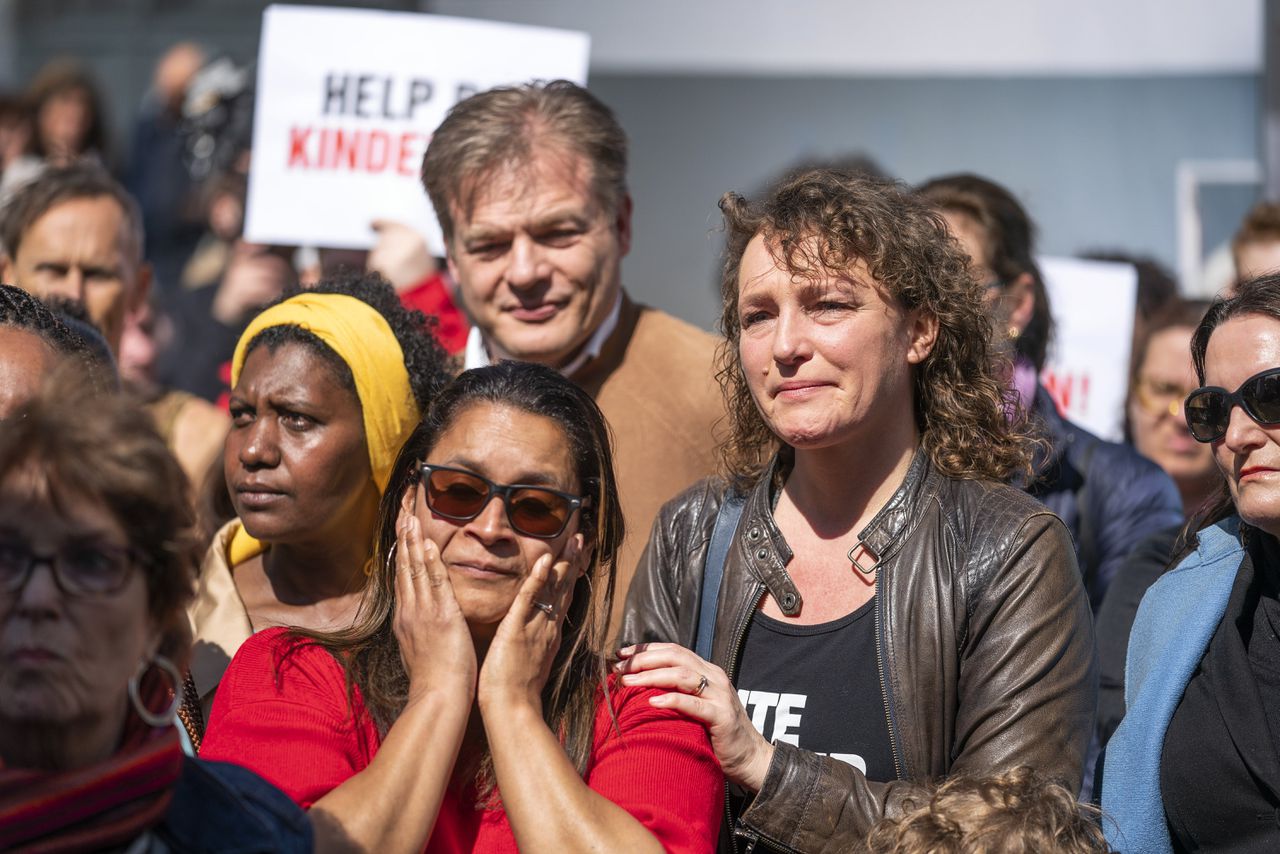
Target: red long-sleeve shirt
287,718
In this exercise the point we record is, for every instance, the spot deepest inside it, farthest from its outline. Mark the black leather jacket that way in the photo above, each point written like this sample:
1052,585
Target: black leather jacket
984,642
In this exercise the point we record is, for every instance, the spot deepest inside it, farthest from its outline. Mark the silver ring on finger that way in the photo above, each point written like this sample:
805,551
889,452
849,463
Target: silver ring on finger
702,686
546,608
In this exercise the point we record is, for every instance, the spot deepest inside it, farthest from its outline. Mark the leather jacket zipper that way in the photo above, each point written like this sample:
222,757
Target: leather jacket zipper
881,595
735,651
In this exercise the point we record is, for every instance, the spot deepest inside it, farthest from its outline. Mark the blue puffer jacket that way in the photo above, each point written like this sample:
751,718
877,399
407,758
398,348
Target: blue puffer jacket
1110,496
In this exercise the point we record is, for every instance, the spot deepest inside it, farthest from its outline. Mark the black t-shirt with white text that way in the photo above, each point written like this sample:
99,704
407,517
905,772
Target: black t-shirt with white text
817,687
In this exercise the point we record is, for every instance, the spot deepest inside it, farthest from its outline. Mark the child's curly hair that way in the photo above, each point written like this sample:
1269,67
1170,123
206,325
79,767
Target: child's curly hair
1019,811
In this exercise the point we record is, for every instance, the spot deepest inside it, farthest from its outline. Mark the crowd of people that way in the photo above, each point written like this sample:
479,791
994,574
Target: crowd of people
314,550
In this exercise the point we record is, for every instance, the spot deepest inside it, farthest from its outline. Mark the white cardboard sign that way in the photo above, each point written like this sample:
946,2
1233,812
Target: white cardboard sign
347,101
1088,367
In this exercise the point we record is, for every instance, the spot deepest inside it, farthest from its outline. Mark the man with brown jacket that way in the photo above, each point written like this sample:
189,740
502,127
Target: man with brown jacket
529,186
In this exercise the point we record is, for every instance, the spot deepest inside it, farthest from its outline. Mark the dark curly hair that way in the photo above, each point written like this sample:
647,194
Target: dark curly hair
21,310
429,367
960,403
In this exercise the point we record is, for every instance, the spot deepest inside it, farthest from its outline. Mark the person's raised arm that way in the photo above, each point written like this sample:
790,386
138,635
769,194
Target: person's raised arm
392,804
549,805
295,728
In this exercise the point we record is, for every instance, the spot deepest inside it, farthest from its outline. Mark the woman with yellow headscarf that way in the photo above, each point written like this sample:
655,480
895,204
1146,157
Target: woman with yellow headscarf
326,386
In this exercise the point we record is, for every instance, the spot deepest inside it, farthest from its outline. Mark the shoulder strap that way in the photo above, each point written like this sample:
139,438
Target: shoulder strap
713,572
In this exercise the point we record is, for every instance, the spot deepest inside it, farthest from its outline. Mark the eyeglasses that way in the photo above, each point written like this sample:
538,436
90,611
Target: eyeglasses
1159,398
85,568
1209,408
534,511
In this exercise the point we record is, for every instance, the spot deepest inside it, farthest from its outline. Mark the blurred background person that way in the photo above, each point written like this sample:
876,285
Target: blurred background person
1018,811
884,592
157,174
223,284
75,232
1194,765
17,162
193,428
1109,496
1160,379
68,114
471,709
326,386
96,565
1255,248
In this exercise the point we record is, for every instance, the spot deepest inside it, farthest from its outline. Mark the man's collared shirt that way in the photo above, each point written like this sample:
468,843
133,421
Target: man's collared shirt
477,355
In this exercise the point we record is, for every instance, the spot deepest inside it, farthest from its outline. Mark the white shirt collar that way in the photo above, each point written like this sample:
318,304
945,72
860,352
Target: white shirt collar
476,354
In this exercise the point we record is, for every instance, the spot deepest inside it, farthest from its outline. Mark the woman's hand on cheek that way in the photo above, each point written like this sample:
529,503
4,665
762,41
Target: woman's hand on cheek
702,691
518,663
435,642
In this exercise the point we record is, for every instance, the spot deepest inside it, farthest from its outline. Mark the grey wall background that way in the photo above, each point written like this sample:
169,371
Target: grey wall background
1093,158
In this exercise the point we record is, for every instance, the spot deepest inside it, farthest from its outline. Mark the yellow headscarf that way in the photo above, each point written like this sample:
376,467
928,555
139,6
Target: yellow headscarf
362,338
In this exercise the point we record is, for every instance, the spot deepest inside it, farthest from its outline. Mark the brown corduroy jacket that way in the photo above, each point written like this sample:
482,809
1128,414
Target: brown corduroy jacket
654,380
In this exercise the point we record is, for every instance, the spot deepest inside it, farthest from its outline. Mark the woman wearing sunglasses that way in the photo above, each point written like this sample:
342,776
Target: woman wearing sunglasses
888,610
1195,764
469,709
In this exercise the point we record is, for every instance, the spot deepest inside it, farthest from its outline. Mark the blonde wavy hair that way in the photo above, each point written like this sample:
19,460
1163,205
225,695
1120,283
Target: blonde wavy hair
960,401
1018,811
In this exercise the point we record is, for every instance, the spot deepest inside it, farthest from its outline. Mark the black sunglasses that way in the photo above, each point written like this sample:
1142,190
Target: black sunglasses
535,511
1208,409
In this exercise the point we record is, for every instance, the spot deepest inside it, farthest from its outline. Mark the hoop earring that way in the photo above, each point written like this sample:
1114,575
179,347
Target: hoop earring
156,719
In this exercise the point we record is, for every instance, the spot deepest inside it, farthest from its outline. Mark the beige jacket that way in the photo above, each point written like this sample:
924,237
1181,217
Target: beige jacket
219,622
654,380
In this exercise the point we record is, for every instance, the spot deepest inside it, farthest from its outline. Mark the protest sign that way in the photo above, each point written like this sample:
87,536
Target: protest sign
346,104
1088,366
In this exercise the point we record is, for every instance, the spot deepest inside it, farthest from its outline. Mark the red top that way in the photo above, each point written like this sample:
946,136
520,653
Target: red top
287,718
431,297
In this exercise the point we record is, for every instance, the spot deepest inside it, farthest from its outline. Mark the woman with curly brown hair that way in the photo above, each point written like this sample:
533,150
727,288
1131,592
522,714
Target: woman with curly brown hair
872,604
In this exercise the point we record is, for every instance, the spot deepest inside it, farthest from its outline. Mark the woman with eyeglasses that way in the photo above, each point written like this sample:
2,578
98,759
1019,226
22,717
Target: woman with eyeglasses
1195,764
881,608
327,384
470,707
97,560
1161,378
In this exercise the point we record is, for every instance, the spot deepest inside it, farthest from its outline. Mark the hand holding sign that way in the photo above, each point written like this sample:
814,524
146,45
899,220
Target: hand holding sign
400,255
